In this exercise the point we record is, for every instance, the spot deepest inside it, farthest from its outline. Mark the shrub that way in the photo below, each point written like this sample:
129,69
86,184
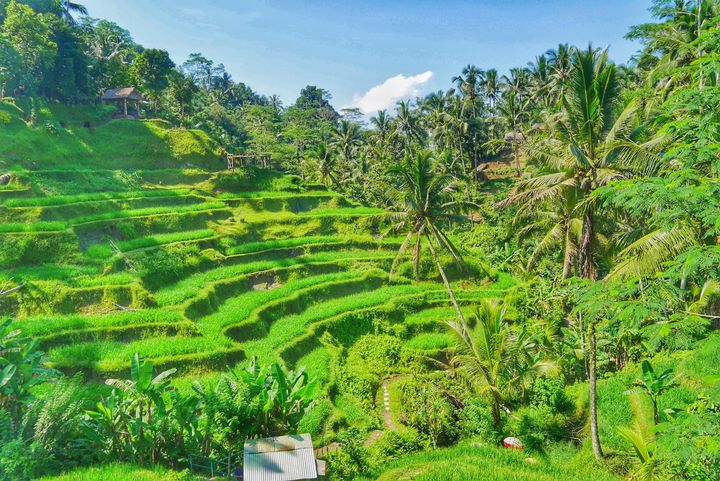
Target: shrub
550,392
426,408
476,421
396,444
535,426
380,354
351,460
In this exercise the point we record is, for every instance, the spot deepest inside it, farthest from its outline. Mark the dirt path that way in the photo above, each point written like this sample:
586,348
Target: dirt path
387,414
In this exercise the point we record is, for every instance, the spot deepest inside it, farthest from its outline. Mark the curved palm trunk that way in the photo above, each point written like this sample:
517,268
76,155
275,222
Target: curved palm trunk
594,435
445,280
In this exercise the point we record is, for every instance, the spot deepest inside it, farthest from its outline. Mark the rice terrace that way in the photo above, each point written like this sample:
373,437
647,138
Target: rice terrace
504,267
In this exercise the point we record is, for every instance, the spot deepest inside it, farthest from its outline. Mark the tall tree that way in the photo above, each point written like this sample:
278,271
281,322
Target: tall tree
422,206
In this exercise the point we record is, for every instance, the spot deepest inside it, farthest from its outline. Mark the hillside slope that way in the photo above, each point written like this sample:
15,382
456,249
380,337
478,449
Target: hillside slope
52,136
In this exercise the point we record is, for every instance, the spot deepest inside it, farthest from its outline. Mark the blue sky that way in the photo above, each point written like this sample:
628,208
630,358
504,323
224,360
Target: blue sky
369,53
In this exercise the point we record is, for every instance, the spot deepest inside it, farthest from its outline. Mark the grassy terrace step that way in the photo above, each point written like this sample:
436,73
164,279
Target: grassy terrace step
110,356
20,228
150,211
343,211
240,308
290,327
275,194
258,324
212,296
215,294
105,251
48,326
59,200
349,325
254,247
106,207
72,274
288,202
262,261
49,298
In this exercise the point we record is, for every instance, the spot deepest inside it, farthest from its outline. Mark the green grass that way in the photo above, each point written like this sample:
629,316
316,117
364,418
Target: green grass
103,251
34,227
287,328
191,286
469,462
282,243
117,144
430,341
274,194
47,325
93,197
342,211
117,472
204,206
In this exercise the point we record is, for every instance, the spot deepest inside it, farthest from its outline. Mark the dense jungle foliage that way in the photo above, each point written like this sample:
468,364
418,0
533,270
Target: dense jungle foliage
532,255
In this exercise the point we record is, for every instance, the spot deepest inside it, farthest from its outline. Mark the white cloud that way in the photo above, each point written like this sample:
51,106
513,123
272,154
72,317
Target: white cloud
386,94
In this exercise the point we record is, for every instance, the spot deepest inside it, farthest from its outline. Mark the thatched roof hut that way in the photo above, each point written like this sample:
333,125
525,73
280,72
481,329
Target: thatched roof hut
121,97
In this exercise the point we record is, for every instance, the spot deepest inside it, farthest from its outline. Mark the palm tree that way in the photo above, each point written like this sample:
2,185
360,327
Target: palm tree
327,165
493,358
346,138
275,103
540,78
407,126
514,111
422,206
469,87
68,8
556,218
491,88
383,126
589,145
518,81
560,60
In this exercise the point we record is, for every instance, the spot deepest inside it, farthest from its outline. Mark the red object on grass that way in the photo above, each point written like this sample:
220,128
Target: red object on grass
513,443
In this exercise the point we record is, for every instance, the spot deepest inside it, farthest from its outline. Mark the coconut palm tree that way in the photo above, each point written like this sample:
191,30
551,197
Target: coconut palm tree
326,165
561,65
589,145
540,78
468,85
491,88
68,8
407,126
492,358
514,110
382,123
556,218
422,206
346,138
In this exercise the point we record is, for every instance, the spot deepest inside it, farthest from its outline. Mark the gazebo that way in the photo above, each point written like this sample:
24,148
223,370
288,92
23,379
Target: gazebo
283,458
123,96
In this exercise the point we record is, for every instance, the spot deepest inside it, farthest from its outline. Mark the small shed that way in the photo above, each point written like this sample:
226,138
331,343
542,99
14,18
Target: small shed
283,458
121,97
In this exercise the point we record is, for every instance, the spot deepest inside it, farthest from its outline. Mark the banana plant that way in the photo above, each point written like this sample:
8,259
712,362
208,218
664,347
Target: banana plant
145,399
654,385
21,369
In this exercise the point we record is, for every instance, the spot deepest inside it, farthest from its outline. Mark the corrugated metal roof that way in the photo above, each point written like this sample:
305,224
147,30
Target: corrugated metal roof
284,458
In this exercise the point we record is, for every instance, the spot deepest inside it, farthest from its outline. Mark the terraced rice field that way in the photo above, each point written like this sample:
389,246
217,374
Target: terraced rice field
200,277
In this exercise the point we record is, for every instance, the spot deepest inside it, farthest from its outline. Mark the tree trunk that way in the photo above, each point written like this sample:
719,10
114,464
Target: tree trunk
446,281
588,269
594,435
